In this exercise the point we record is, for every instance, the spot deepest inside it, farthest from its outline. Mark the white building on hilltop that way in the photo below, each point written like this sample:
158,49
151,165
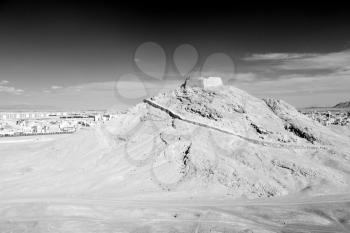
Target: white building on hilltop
203,82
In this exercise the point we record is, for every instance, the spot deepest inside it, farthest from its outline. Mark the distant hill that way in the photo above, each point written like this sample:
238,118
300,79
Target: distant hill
343,105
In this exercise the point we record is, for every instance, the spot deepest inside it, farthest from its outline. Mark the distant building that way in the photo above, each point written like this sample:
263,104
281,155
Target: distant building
204,82
28,115
33,123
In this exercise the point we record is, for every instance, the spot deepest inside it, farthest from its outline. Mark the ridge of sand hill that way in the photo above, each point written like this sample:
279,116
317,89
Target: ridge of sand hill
189,142
345,104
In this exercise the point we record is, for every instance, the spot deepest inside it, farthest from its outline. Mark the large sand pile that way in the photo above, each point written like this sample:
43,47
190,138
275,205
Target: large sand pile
190,142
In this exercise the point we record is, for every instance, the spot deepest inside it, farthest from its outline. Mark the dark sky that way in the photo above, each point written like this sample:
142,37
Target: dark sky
65,43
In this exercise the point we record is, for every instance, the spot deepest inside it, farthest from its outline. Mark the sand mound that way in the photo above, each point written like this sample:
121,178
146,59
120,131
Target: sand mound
214,142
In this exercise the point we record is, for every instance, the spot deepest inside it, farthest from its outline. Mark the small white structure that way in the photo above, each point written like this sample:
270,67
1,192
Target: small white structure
204,82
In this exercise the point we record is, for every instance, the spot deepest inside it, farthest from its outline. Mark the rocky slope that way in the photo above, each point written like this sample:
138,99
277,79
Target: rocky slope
190,142
248,146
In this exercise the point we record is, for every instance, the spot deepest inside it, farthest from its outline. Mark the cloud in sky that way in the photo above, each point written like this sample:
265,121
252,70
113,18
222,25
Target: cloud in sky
307,61
277,56
245,77
54,87
5,88
303,76
3,82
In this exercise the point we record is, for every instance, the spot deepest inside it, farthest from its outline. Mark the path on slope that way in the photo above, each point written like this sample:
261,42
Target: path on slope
254,141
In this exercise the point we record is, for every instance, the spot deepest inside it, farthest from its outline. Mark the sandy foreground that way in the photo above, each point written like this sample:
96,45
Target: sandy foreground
52,212
326,214
29,139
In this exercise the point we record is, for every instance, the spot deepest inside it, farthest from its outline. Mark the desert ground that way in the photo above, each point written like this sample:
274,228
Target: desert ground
292,214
